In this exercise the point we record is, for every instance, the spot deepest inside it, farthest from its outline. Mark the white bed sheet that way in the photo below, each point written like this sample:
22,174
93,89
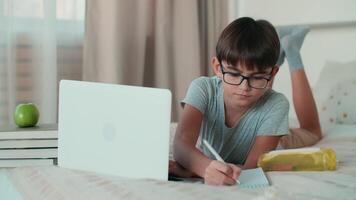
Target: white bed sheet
59,183
7,189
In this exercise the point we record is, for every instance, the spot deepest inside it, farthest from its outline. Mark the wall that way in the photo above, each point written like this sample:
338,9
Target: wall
332,36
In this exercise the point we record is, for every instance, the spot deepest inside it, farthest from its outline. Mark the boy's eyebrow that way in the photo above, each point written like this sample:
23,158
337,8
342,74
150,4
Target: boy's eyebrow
261,72
264,72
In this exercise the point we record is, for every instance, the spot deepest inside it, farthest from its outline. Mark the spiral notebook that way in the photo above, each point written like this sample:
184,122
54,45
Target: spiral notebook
249,178
253,178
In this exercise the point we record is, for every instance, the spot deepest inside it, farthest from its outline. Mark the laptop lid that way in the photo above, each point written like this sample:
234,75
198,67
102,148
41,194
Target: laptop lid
114,129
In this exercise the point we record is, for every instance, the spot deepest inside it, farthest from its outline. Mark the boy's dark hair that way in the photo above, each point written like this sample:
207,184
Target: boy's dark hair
254,44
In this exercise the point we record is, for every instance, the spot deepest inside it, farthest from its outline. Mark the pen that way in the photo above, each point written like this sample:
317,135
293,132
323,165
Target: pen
216,155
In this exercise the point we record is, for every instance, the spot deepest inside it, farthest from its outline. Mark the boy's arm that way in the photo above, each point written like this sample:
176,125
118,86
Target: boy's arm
262,145
184,150
186,154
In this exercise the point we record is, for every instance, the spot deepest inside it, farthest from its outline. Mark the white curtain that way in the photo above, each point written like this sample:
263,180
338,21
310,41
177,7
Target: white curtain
155,43
40,43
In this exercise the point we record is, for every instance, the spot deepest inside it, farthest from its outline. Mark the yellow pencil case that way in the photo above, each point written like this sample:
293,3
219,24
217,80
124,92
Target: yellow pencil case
303,159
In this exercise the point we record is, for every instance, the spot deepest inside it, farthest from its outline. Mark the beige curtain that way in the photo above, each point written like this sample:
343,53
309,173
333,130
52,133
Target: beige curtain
213,18
154,43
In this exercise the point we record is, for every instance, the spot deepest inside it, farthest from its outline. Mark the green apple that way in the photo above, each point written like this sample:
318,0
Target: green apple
26,115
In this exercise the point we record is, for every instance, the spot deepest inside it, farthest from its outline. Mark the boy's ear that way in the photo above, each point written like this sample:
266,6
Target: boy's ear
216,66
275,70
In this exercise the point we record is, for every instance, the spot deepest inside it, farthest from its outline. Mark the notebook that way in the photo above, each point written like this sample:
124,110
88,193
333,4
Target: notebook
253,178
249,178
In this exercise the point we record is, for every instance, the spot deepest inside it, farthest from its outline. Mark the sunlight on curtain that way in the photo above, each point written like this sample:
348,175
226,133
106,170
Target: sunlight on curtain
40,43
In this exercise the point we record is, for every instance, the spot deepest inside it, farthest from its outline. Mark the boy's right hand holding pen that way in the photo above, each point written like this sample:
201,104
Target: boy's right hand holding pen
220,173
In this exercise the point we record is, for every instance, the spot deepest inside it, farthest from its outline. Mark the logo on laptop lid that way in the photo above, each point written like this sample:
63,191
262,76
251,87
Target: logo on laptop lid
109,132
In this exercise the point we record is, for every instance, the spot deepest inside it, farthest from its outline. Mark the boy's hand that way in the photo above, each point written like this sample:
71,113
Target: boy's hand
219,173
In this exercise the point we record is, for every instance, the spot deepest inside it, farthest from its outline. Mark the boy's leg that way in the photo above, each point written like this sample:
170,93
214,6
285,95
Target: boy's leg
304,103
309,132
297,138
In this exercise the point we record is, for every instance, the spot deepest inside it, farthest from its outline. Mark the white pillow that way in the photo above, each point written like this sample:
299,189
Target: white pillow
327,109
335,80
341,131
346,102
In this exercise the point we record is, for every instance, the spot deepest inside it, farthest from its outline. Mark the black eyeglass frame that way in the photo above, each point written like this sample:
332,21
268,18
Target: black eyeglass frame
244,77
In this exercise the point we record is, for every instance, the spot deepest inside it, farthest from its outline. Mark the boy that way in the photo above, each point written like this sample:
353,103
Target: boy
236,111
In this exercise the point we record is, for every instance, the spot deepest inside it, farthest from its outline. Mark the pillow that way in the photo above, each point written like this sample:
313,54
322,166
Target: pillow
345,102
327,109
342,131
334,92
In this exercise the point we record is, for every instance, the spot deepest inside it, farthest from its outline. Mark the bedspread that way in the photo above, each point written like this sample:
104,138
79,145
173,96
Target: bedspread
59,183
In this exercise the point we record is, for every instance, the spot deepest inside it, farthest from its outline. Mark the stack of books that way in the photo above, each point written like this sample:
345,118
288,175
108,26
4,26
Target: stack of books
35,146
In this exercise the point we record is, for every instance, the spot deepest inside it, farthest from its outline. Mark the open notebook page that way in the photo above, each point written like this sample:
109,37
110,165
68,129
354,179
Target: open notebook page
253,178
249,178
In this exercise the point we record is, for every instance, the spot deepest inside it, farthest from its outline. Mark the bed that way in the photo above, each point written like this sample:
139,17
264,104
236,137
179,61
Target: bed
58,183
338,118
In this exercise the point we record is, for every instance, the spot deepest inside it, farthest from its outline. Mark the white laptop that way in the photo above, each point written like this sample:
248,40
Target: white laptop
114,129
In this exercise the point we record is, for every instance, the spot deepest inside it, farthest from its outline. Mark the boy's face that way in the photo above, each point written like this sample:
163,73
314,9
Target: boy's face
243,87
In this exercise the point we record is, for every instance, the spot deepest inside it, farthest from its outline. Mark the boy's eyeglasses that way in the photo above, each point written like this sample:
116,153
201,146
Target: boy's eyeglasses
237,78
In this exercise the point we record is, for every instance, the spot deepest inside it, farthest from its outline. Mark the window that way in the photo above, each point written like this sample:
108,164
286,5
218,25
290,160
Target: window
38,39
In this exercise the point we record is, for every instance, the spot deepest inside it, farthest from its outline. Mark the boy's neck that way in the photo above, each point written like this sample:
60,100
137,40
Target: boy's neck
234,114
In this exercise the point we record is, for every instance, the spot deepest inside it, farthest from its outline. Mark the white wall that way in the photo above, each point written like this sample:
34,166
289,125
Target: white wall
332,36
